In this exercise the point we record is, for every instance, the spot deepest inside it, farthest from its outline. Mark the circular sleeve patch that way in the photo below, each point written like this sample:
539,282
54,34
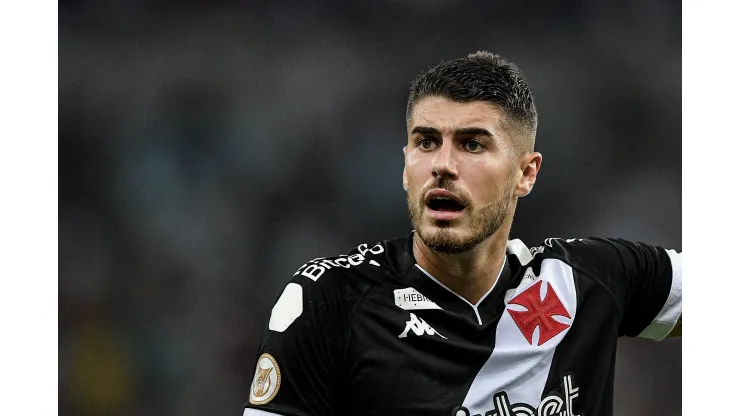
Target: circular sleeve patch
266,382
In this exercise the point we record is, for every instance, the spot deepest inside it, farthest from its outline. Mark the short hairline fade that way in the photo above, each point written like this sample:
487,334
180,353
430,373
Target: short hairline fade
482,76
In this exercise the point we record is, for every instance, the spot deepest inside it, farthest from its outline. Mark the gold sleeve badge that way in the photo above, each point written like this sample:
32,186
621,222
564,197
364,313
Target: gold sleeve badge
266,382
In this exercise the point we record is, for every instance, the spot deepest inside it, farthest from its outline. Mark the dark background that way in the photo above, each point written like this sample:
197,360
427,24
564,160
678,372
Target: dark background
207,151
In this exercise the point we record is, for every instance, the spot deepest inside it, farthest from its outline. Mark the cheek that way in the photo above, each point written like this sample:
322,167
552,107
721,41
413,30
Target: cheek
485,182
416,171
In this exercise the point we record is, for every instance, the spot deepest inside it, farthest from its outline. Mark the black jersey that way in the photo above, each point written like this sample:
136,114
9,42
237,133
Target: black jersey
372,333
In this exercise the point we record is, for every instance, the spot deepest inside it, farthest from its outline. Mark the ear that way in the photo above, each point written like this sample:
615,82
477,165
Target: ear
529,165
405,178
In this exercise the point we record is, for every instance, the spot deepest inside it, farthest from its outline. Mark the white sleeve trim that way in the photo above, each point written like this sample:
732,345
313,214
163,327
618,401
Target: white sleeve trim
255,412
518,248
666,319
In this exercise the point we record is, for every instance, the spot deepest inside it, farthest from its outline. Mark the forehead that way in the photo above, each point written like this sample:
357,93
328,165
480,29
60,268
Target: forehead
445,114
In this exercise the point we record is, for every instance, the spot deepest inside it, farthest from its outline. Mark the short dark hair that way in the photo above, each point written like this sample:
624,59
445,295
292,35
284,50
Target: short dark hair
482,76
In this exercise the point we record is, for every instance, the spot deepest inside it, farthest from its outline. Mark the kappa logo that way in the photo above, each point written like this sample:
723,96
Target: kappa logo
419,327
266,382
539,313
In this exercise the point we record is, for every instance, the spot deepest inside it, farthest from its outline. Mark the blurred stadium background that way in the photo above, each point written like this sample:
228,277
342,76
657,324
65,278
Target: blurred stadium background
208,150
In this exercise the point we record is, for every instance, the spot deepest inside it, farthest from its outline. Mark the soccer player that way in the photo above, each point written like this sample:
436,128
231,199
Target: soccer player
455,318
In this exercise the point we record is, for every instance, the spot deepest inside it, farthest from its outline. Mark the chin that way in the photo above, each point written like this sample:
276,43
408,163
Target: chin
444,237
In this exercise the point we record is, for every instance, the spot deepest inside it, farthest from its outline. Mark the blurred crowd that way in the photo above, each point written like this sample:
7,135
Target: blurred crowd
206,151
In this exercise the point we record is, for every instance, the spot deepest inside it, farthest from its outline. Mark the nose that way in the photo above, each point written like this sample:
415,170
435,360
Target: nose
444,163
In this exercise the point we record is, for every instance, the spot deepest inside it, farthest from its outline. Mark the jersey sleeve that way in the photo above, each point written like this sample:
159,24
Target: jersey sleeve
299,364
644,280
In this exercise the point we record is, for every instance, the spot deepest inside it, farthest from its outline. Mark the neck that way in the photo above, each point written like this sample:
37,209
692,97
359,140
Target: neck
470,274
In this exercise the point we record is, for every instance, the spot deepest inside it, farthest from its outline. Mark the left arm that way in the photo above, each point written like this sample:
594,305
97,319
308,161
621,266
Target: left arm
667,323
643,279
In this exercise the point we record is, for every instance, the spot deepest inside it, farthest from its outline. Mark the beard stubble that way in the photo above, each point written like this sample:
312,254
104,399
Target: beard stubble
484,220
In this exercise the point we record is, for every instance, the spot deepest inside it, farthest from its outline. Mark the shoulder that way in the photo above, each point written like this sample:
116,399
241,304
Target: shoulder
586,249
565,249
365,264
611,261
333,286
354,272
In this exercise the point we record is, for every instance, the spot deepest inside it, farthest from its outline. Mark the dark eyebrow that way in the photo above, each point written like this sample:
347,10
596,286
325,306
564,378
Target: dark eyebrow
426,130
467,131
473,131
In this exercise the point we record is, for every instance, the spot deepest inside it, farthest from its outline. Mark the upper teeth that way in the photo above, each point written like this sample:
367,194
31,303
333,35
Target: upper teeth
443,198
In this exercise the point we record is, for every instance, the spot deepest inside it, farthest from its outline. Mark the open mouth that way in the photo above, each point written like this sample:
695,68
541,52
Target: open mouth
444,204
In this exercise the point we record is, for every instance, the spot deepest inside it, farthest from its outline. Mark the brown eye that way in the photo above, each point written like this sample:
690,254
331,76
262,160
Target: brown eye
426,144
473,146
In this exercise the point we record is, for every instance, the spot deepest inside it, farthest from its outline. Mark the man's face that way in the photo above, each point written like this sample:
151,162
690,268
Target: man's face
461,172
